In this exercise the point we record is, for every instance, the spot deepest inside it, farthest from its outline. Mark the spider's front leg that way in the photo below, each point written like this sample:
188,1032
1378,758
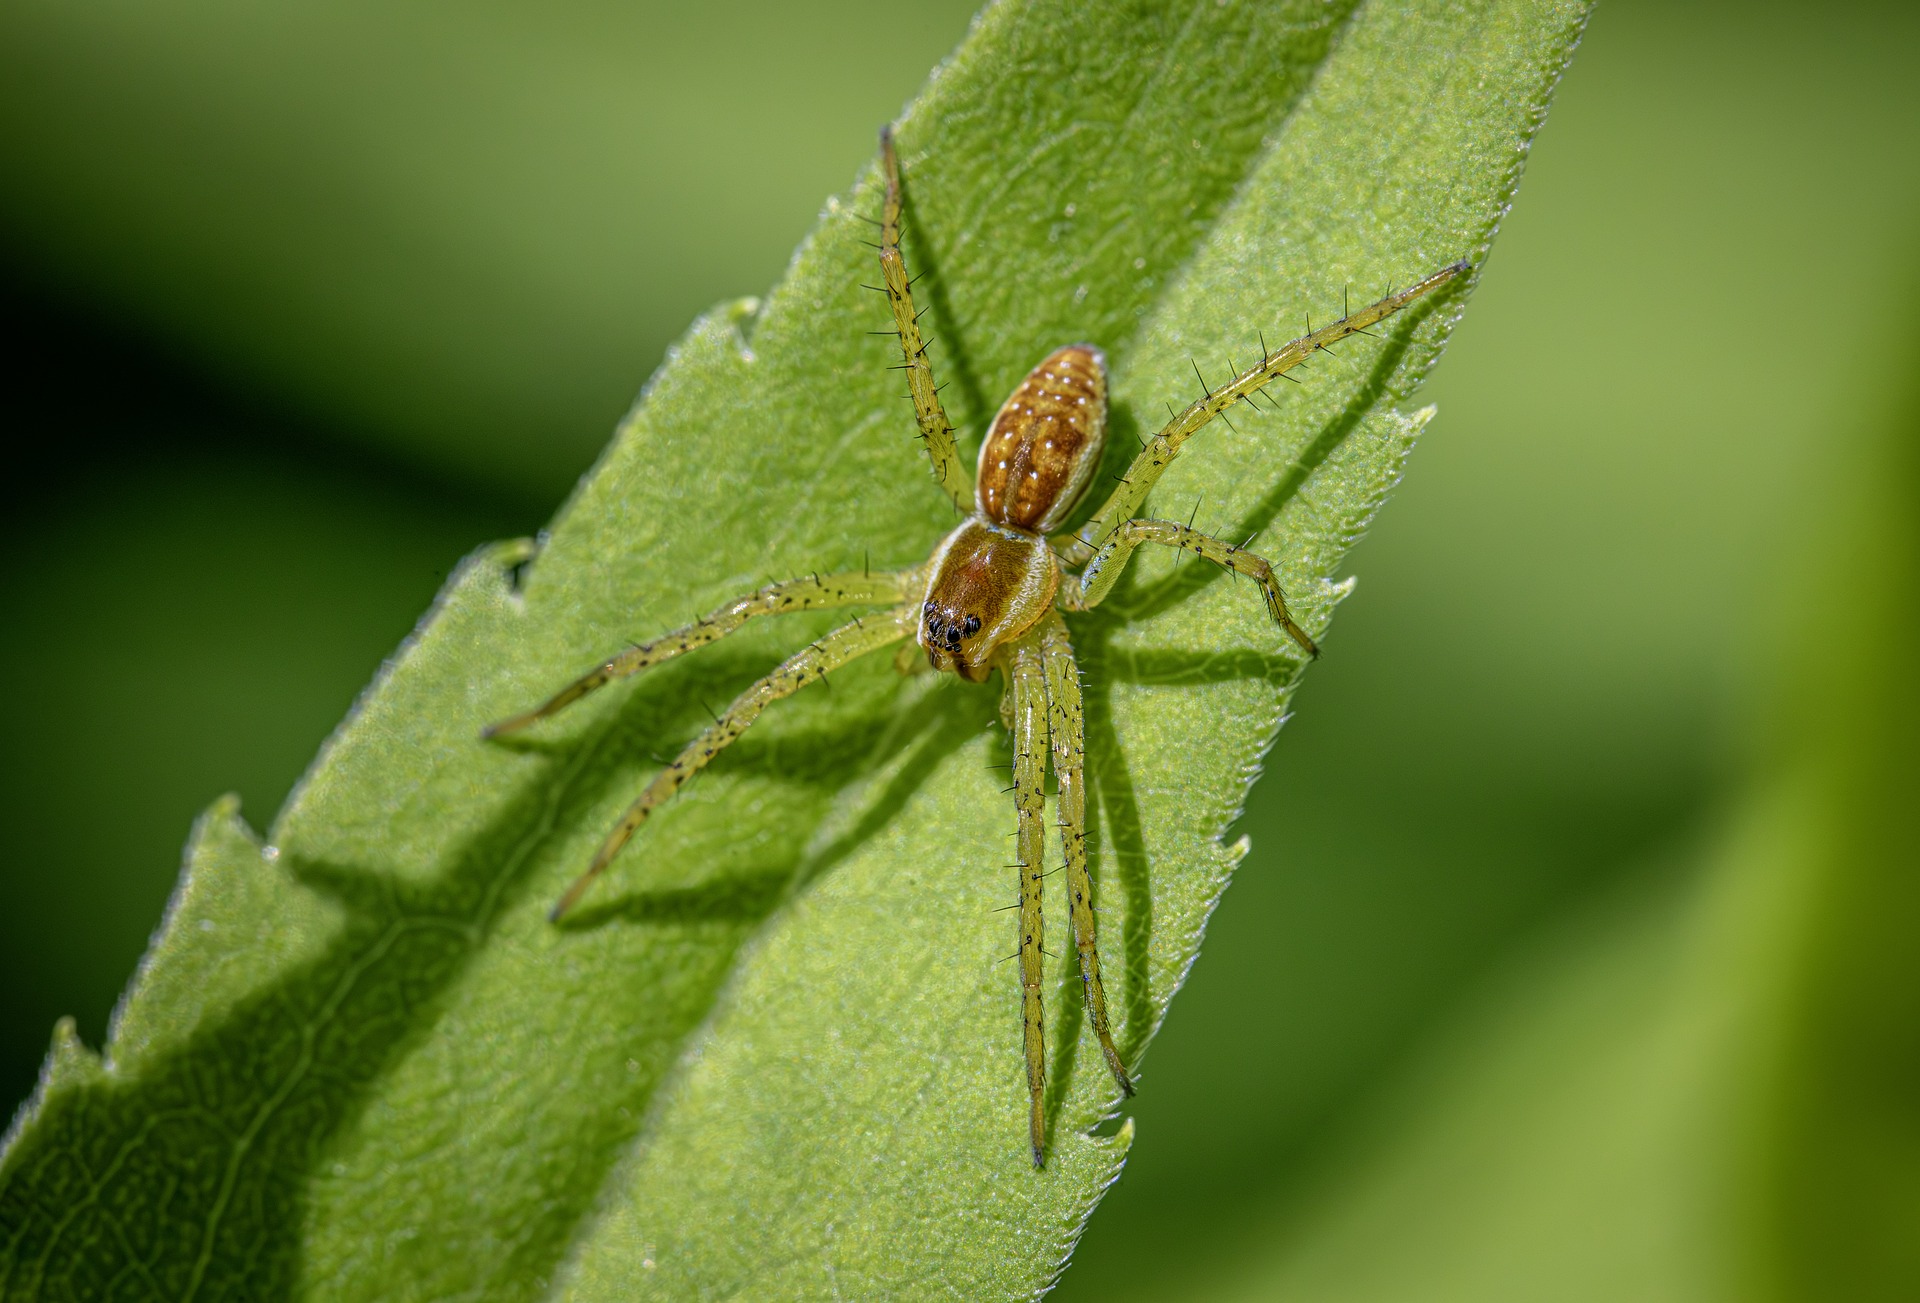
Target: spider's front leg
935,429
1027,685
810,594
1097,580
1067,725
813,663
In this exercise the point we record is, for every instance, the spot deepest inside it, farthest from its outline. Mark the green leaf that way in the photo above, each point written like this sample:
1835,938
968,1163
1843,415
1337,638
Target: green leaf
775,1052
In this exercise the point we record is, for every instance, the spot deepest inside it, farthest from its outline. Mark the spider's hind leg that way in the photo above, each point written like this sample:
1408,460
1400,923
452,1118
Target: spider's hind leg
806,666
1066,722
1158,454
935,429
1097,580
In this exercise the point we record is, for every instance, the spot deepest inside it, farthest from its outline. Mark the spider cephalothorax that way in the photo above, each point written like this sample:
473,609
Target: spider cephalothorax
990,598
988,585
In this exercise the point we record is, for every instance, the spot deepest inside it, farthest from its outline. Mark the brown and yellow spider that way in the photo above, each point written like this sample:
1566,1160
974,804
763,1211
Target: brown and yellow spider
990,599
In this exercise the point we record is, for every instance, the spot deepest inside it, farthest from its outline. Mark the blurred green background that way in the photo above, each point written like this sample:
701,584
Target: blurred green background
306,301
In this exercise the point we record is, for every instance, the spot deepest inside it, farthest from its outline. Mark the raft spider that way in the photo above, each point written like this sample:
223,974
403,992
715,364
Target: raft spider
990,598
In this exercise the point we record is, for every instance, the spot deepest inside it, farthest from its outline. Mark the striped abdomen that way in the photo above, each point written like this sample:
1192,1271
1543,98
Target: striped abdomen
1042,448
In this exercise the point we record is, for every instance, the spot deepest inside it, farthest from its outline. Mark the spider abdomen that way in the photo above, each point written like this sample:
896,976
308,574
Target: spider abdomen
1041,450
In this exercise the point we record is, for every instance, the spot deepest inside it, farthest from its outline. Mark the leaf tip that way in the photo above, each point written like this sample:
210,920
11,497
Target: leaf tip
69,1065
69,1059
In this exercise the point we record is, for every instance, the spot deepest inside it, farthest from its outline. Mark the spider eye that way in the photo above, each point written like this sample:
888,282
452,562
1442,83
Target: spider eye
973,625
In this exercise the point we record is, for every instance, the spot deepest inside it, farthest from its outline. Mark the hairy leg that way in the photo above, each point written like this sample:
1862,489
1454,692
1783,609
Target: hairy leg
1027,685
1067,725
809,594
812,663
1077,547
935,429
1097,580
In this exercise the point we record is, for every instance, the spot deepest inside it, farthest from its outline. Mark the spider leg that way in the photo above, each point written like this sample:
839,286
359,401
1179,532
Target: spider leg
806,666
936,431
910,660
1027,682
1078,547
1097,580
811,593
1066,723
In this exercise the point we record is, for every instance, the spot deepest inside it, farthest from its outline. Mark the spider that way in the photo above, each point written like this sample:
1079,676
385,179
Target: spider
990,598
